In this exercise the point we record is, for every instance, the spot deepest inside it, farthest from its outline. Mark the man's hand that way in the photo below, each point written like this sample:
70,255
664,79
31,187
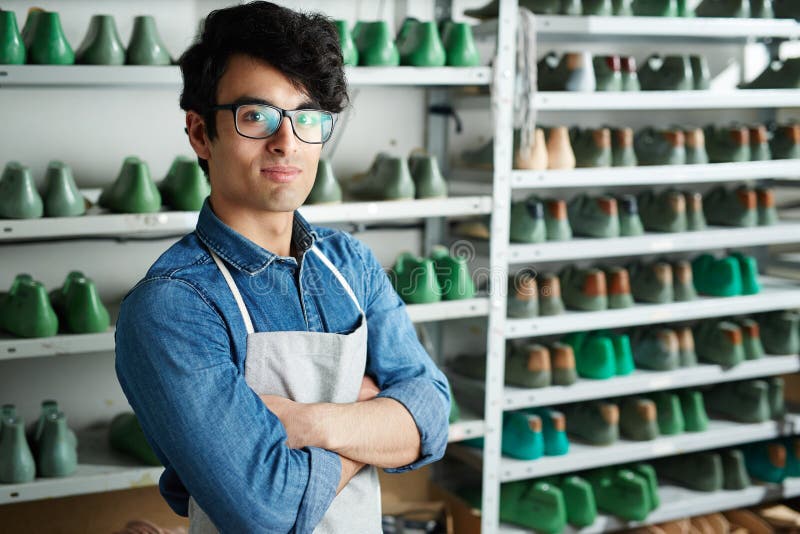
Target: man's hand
296,417
369,389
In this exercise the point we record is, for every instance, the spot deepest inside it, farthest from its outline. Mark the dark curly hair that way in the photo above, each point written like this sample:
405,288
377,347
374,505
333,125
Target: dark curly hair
304,47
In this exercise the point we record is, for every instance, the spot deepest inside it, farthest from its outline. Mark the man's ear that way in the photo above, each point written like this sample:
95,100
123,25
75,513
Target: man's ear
198,138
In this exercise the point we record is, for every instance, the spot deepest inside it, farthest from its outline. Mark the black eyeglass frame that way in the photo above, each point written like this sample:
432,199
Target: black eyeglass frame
234,108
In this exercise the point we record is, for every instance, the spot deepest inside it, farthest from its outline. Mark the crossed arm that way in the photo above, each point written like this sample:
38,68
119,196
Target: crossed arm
371,431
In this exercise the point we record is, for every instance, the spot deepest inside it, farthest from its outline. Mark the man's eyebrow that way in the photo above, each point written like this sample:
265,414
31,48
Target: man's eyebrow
307,104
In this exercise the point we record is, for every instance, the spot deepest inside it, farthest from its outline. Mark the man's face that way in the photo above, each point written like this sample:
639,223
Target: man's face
274,174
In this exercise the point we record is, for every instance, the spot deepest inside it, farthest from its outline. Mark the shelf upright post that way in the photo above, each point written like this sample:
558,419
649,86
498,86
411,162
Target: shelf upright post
502,104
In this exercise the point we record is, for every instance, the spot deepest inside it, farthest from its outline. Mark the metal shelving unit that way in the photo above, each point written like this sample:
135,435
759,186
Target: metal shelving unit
581,457
467,427
159,77
668,100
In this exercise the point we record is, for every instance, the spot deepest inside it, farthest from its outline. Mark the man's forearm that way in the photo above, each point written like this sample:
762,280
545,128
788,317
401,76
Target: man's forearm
379,432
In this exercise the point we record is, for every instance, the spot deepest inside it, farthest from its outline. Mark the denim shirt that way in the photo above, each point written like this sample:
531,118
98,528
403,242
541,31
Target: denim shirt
180,352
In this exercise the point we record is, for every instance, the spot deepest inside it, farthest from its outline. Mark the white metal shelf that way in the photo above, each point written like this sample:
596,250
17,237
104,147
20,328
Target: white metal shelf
581,456
467,427
170,77
640,381
12,348
776,294
667,100
678,502
100,469
99,223
448,309
654,243
701,29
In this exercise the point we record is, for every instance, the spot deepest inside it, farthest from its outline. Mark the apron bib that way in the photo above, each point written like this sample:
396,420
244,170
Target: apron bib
311,367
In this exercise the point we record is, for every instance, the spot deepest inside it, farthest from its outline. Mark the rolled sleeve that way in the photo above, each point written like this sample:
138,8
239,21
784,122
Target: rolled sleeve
400,365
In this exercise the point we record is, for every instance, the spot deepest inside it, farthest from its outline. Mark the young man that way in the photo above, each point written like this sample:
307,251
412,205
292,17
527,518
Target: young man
244,350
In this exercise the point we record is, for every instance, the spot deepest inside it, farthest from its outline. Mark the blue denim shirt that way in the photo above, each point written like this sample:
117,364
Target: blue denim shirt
180,352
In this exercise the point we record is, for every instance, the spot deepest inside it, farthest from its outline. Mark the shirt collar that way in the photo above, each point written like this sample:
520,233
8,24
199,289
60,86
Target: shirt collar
239,251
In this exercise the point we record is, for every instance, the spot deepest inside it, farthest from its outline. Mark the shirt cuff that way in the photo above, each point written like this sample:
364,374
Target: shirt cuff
430,409
325,472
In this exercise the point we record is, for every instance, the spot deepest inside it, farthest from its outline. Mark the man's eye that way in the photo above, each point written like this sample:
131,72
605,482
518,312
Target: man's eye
254,116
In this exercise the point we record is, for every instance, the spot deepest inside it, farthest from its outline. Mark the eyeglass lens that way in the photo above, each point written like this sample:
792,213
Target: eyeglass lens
260,121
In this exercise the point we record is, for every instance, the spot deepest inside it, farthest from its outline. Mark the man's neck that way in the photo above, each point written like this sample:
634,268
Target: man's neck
269,230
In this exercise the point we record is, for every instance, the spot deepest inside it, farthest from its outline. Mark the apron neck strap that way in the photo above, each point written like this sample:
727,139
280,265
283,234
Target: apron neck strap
248,323
338,276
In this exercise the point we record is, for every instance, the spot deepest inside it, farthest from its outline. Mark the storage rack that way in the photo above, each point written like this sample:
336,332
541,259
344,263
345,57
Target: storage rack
776,294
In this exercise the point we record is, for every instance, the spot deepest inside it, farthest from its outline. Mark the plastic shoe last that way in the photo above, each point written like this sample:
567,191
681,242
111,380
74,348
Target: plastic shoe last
734,470
745,402
622,151
594,354
16,461
415,279
562,364
529,366
125,435
550,302
186,187
682,282
608,73
748,267
598,8
751,338
686,347
622,8
376,48
766,461
554,429
666,73
656,349
660,147
523,301
428,180
133,191
761,9
778,75
349,51
145,46
560,155
522,436
696,153
767,212
19,198
58,455
592,147
670,415
12,48
701,472
61,197
453,275
759,143
663,212
531,153
724,8
730,144
695,216
630,223
701,75
655,8
594,216
26,310
693,408
720,342
49,45
423,47
623,492
618,283
459,45
573,72
652,282
785,142
630,78
527,221
84,313
779,332
388,178
584,289
717,277
777,407
580,501
535,505
556,220
596,423
102,45
638,419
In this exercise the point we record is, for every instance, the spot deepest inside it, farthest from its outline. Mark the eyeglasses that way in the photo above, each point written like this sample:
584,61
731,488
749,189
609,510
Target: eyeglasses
259,121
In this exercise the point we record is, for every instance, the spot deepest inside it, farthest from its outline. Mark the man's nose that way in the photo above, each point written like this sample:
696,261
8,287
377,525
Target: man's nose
283,141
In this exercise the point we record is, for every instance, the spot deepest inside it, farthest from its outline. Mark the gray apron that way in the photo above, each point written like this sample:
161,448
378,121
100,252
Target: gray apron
311,367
